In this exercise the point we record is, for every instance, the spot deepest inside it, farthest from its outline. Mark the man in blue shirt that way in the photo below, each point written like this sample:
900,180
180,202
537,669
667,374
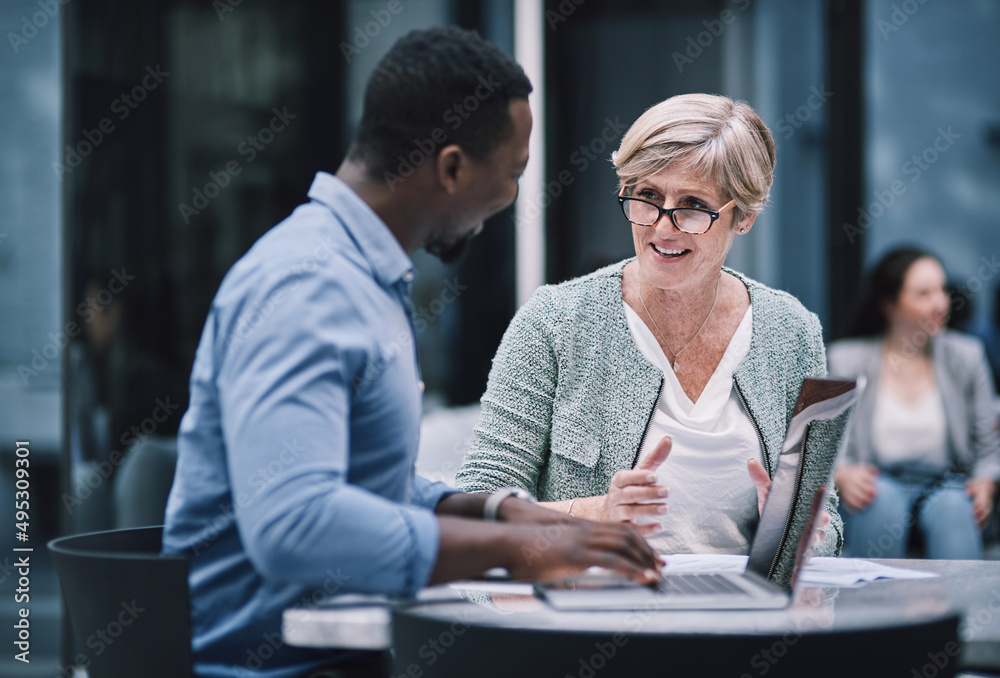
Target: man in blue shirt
295,474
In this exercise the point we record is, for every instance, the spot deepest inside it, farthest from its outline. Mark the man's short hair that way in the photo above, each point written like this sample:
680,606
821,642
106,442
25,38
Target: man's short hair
436,87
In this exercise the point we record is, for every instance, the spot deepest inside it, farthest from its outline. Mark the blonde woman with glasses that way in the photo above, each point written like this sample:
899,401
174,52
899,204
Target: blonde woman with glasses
657,390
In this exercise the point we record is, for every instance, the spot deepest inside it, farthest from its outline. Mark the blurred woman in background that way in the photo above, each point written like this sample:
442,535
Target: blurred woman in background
922,449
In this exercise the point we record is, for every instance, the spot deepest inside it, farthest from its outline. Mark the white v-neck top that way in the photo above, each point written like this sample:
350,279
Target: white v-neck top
913,435
713,504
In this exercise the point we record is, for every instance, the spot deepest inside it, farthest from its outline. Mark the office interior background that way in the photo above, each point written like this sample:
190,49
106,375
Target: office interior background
146,146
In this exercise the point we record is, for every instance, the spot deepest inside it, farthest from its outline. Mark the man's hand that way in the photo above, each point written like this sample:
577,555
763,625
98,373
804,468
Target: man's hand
858,485
634,495
981,490
557,550
541,550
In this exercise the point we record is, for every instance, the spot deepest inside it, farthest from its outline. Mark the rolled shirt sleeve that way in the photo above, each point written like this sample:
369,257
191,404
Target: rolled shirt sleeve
427,493
299,396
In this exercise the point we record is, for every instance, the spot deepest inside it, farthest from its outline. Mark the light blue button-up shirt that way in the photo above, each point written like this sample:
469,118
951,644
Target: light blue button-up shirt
295,473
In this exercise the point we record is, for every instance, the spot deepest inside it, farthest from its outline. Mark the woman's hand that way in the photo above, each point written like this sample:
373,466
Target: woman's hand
762,481
858,485
634,496
981,490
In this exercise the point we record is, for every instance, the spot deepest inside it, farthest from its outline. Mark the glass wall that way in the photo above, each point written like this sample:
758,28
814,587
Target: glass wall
784,52
606,66
933,121
35,334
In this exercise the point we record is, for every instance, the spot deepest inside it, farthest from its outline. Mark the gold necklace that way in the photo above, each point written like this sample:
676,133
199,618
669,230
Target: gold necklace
677,355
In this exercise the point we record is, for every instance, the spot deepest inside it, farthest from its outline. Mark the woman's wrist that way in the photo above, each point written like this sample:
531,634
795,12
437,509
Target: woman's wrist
587,508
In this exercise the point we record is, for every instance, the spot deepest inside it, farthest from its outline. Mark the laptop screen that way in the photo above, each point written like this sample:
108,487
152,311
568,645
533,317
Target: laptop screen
800,475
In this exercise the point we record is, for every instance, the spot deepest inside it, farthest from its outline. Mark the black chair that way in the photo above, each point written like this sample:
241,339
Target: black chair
142,483
129,605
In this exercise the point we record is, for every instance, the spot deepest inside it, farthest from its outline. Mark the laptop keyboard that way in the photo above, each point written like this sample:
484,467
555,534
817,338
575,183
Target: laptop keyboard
699,585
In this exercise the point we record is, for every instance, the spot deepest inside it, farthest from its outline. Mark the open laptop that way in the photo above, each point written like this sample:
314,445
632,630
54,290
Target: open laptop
777,551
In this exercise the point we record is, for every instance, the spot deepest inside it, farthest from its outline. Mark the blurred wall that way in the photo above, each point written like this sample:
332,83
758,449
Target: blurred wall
933,122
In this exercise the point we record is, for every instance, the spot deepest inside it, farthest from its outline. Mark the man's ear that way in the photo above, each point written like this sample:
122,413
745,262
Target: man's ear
448,166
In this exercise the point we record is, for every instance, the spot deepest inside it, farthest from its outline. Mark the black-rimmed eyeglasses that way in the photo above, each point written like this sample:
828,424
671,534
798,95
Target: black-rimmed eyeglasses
693,220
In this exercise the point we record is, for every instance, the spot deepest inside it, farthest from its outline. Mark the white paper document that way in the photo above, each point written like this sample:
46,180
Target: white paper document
823,571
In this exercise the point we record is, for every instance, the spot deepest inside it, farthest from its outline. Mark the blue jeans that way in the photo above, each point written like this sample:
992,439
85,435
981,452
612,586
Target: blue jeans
943,516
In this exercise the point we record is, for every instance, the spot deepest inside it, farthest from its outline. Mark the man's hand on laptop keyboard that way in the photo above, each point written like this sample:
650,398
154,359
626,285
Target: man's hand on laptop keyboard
548,551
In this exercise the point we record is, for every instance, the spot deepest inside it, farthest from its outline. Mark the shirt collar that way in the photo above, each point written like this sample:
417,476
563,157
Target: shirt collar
379,246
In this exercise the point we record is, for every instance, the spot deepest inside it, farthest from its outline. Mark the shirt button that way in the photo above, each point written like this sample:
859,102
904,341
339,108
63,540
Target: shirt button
420,385
408,276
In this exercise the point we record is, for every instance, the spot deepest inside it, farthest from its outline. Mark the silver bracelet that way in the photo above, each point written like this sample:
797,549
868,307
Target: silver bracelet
492,505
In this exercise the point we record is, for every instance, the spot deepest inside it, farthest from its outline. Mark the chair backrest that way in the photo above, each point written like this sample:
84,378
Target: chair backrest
142,483
129,606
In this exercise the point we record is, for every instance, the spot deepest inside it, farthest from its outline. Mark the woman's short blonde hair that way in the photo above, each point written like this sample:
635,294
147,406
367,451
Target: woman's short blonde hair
706,133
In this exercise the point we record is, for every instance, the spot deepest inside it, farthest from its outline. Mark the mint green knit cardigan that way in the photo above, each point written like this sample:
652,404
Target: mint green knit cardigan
570,395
